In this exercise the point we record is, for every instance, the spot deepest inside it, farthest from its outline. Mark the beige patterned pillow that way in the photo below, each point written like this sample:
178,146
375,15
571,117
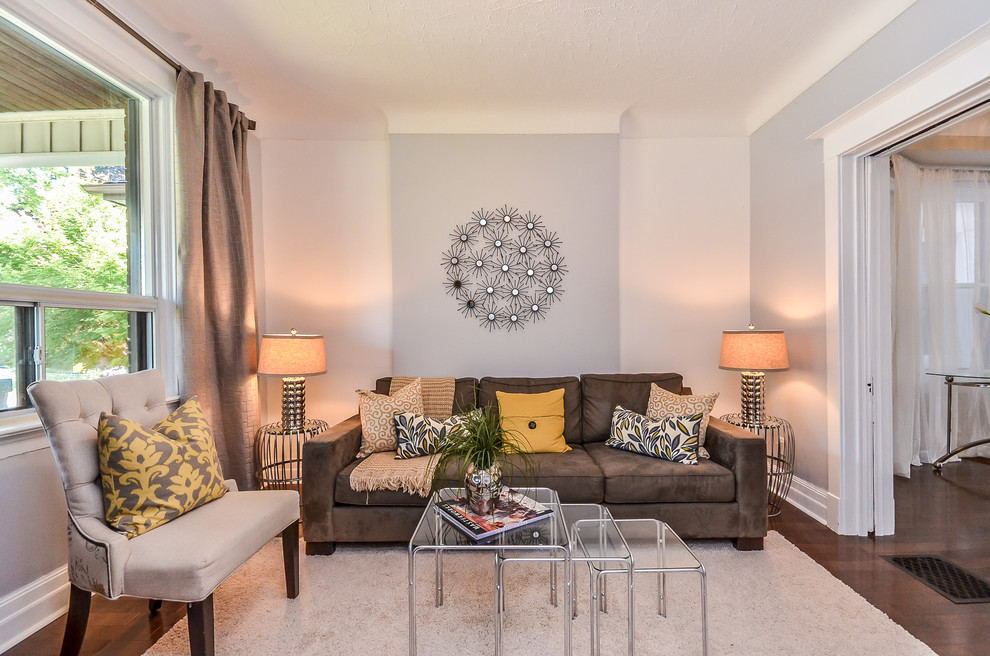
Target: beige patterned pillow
377,410
665,404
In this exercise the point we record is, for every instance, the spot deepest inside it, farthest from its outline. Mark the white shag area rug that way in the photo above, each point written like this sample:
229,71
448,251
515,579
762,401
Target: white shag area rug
772,602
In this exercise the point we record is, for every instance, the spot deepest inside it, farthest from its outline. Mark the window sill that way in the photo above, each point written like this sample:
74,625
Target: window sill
16,423
21,433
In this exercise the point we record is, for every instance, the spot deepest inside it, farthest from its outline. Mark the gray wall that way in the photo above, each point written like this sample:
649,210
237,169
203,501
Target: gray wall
787,196
33,530
437,181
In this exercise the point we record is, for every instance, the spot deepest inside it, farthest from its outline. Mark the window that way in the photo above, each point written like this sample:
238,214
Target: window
84,253
955,259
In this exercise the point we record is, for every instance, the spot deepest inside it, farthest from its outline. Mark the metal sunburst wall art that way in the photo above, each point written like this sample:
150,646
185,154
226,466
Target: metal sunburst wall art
504,268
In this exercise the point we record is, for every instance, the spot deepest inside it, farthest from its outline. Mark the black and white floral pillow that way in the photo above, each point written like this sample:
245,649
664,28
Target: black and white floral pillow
672,438
422,436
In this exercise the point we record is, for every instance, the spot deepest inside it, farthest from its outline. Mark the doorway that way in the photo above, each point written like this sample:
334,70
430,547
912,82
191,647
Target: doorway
859,325
940,273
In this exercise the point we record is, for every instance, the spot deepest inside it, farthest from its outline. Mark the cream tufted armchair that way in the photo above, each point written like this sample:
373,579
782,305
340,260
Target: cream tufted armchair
184,560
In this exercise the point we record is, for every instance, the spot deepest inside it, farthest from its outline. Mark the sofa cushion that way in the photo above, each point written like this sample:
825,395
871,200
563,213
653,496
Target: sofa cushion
377,412
150,476
417,435
665,404
438,394
344,494
534,423
186,559
602,392
574,475
634,478
465,393
672,438
572,397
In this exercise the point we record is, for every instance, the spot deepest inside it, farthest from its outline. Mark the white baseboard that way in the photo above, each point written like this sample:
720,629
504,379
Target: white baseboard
809,499
32,606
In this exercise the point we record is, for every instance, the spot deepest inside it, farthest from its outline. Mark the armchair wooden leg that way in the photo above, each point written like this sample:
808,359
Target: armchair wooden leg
78,618
154,605
290,556
200,616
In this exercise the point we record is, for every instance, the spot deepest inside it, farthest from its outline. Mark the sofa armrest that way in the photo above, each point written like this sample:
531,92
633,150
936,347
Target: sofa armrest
745,454
324,457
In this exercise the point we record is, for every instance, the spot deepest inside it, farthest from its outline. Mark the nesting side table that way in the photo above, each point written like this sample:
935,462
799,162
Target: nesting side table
780,456
629,546
278,454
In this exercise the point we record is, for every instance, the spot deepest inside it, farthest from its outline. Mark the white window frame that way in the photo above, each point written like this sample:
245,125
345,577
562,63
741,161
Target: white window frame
88,37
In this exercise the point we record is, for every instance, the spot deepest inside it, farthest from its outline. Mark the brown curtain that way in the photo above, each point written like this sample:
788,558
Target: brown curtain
219,318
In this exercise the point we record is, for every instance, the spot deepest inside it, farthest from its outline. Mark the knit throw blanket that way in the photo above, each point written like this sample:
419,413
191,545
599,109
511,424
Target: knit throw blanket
438,394
382,471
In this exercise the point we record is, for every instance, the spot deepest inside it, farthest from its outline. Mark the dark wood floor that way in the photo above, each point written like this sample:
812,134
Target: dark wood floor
947,515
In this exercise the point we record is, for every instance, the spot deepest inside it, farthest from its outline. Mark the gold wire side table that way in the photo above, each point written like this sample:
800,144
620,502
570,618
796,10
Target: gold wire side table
779,437
278,454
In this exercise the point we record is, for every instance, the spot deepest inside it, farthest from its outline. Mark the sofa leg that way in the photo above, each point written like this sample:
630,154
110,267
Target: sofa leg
200,616
749,544
75,623
320,548
154,605
290,558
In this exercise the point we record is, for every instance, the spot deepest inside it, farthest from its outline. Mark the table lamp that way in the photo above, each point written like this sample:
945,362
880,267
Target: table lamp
753,352
293,357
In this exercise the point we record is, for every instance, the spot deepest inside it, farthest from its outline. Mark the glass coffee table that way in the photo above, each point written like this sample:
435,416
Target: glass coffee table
597,541
544,541
620,546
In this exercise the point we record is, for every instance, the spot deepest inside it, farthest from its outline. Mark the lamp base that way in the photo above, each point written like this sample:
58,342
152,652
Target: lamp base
752,395
293,403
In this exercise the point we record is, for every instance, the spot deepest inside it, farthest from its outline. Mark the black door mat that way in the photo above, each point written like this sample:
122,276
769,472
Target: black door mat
948,579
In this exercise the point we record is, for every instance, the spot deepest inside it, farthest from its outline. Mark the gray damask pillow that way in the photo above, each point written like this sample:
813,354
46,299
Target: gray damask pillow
422,436
672,438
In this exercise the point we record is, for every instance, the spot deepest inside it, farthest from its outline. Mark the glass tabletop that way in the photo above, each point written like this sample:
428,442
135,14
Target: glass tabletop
435,531
605,542
957,375
594,532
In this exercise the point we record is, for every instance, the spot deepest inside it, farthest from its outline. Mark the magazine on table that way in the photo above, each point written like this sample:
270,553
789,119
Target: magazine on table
513,510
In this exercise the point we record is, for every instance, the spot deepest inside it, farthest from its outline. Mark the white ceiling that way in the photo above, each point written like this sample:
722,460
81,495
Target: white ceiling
655,67
963,143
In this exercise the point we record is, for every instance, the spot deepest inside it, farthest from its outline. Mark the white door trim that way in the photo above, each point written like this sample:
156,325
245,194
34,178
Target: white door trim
949,83
880,339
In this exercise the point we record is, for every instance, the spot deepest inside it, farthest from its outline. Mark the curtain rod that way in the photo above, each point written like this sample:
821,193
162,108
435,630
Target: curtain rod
145,42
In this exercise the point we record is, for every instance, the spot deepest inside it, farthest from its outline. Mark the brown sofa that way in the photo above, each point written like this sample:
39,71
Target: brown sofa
723,497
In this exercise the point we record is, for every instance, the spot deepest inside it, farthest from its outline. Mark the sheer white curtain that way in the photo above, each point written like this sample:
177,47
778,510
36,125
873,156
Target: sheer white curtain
941,269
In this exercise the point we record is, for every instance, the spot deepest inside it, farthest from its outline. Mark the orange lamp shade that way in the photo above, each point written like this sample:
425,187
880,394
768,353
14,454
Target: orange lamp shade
753,350
292,355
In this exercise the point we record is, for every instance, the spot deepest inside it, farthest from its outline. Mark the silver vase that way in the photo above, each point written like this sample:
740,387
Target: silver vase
483,487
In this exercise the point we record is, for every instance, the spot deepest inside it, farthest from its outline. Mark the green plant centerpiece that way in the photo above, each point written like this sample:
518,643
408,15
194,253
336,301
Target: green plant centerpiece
477,450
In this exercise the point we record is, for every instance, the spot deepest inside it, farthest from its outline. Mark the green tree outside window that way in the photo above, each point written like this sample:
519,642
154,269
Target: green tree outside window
53,233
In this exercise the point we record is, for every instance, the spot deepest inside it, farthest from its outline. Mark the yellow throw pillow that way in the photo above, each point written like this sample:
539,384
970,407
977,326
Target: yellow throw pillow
150,476
535,422
664,404
377,416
